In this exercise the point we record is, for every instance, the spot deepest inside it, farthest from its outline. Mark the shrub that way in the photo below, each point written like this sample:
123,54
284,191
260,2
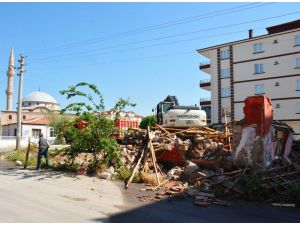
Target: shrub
95,137
148,121
123,173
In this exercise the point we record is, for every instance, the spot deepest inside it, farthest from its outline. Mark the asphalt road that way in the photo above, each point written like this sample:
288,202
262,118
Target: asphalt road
32,196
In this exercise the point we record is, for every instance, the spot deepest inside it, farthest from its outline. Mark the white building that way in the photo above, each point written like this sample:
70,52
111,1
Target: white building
36,111
262,65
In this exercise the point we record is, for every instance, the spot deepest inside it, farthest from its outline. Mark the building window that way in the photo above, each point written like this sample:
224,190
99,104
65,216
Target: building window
298,108
257,48
259,89
225,92
24,117
15,132
298,85
259,68
10,117
297,40
36,132
225,73
297,63
225,54
52,132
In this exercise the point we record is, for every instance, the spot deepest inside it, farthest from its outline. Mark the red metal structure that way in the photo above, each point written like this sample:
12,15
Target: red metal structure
122,125
258,110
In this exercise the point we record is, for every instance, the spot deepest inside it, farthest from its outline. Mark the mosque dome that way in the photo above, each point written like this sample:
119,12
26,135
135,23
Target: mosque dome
40,99
39,96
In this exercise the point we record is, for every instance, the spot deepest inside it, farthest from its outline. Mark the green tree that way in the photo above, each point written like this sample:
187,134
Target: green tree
59,123
96,136
148,121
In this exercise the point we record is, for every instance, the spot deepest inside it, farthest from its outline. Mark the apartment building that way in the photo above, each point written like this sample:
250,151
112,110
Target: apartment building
263,65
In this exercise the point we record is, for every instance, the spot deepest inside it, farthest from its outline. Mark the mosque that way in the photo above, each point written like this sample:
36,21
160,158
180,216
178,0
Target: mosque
37,108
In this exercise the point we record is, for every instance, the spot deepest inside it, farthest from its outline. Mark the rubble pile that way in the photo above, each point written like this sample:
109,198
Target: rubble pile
198,161
194,143
174,157
295,154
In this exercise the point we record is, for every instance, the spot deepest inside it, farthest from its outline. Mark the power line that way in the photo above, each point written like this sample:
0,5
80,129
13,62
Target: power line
169,36
154,45
150,28
137,59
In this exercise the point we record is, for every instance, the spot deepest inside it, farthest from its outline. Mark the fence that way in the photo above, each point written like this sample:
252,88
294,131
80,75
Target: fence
8,143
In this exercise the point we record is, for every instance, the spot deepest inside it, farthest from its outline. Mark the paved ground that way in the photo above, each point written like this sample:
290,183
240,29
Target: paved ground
177,210
31,196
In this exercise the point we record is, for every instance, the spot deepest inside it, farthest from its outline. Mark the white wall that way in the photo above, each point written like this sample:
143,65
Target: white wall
27,131
214,88
245,72
244,51
286,66
286,88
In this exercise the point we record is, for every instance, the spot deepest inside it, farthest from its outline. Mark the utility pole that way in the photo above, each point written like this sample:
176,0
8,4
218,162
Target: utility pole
19,113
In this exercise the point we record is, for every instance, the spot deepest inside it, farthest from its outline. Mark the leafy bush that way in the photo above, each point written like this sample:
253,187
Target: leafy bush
123,173
148,121
95,137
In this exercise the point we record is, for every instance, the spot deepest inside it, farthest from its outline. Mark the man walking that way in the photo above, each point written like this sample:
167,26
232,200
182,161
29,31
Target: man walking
43,151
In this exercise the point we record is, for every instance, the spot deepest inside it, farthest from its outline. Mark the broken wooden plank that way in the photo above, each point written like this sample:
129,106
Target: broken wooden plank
232,173
221,202
27,154
236,189
161,128
209,195
284,205
135,168
213,163
235,181
153,155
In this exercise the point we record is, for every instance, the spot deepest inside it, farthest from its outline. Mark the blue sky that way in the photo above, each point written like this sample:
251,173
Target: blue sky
66,43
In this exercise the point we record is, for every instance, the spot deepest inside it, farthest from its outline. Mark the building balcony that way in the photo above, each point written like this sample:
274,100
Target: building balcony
205,84
205,101
205,67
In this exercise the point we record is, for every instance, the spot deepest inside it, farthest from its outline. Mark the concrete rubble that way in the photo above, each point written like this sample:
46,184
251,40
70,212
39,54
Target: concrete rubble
197,161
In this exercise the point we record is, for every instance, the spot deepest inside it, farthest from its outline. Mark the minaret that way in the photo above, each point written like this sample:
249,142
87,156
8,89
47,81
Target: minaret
10,81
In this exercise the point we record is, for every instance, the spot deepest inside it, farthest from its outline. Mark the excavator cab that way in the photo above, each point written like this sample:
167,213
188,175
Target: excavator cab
163,107
170,114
